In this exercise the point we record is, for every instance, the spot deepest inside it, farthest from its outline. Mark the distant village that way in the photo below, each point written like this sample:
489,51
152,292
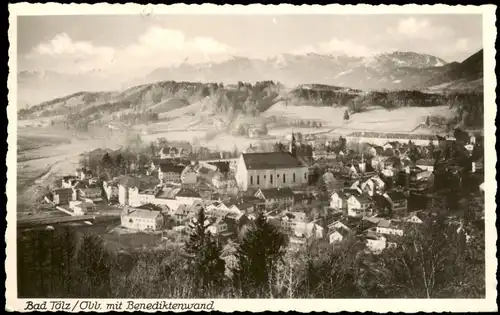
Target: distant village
368,186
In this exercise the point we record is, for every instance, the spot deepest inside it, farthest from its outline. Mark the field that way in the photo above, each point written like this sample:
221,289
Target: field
53,155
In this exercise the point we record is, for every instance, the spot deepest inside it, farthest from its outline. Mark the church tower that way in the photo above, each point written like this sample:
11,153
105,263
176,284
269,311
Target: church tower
293,146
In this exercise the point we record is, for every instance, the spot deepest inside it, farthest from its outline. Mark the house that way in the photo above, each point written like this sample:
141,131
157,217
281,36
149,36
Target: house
189,175
375,243
397,201
110,190
83,173
416,218
426,164
62,196
372,186
359,206
338,235
142,218
81,207
288,220
308,230
389,227
90,193
338,200
218,225
129,187
276,197
270,170
182,213
142,195
172,197
170,173
69,181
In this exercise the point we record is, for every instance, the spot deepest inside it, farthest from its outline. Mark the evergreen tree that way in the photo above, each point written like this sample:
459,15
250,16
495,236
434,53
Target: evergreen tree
206,266
259,253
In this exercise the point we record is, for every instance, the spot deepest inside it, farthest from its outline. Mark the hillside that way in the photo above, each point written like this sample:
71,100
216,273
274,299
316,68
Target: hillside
459,76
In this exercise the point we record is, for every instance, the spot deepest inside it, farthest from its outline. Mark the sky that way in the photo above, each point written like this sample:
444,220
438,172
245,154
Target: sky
114,43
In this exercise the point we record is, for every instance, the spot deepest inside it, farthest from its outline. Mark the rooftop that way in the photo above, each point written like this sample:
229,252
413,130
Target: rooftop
140,213
171,168
277,192
393,135
270,160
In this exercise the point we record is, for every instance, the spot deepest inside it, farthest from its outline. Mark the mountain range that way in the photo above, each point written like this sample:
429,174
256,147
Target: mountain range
391,71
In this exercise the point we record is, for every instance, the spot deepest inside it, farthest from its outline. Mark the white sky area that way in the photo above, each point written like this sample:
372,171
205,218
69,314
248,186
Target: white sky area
135,44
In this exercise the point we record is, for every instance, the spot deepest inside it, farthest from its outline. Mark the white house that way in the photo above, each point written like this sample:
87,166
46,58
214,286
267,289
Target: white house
276,197
218,225
141,219
338,200
270,170
89,193
81,207
376,243
338,235
359,206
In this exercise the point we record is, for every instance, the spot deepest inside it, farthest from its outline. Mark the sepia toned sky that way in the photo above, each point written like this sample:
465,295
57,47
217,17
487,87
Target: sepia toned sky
129,42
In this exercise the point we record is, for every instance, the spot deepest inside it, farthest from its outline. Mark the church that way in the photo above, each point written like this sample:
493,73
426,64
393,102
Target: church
271,169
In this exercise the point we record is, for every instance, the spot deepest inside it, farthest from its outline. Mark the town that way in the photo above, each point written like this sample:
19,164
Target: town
367,186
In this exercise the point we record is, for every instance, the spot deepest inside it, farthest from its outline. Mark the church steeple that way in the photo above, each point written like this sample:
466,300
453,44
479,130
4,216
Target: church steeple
293,146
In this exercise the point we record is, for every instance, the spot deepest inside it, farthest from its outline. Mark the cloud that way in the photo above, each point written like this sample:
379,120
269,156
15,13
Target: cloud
61,52
335,46
419,28
157,47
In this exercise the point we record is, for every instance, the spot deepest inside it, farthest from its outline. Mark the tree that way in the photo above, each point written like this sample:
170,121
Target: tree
427,262
119,164
106,163
346,115
206,266
260,251
93,263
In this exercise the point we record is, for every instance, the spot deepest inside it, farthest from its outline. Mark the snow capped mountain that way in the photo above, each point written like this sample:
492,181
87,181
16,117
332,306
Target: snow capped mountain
393,70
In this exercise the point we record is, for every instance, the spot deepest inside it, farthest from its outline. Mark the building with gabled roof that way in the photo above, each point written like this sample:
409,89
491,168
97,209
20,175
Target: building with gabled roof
142,218
270,170
276,197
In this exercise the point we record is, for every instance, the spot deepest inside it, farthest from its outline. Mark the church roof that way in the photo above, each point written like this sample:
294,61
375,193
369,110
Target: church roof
270,160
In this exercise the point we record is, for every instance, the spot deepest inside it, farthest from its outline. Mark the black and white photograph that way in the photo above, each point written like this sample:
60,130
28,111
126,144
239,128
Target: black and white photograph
159,155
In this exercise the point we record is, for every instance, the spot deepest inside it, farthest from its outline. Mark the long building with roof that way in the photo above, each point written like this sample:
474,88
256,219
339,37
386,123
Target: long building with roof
271,170
381,138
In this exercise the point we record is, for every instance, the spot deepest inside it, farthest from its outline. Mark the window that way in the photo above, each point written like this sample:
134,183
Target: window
251,180
271,178
305,175
294,177
284,178
258,180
